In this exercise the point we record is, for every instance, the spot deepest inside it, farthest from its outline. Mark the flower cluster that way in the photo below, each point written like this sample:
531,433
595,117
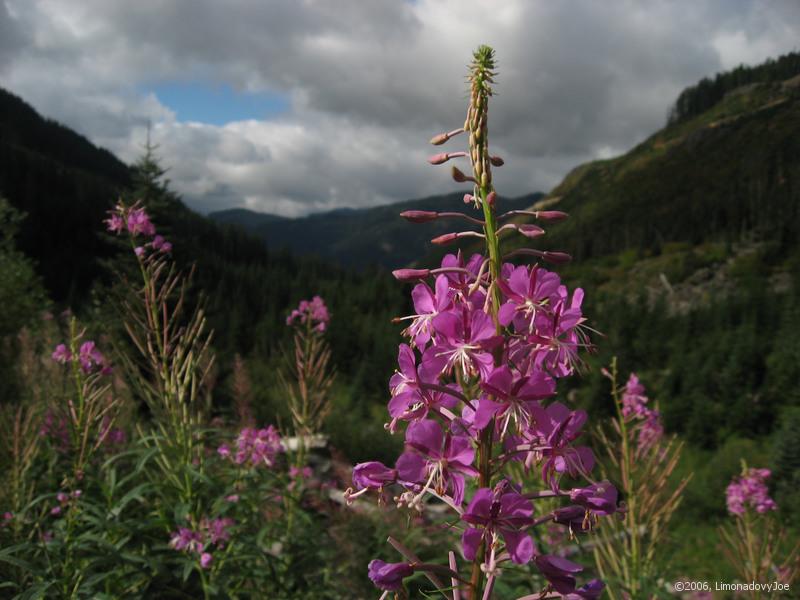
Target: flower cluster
312,312
136,221
214,532
749,489
90,359
487,343
64,500
634,408
254,447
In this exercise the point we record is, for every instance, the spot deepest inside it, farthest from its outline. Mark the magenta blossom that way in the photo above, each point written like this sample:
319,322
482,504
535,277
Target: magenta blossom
186,539
206,559
255,446
62,354
436,459
389,576
139,222
313,311
559,571
411,399
516,395
599,498
556,427
428,304
492,513
92,359
634,400
468,337
750,490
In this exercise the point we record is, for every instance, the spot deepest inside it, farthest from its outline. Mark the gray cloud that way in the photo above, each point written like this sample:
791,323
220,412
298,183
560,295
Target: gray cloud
370,82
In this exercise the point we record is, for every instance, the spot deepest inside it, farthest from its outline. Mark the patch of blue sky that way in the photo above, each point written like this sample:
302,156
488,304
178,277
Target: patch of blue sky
217,104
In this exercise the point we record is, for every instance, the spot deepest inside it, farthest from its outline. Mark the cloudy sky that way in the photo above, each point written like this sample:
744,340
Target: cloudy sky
298,106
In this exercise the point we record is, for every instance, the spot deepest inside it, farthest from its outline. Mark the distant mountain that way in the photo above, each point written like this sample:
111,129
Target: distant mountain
361,237
249,219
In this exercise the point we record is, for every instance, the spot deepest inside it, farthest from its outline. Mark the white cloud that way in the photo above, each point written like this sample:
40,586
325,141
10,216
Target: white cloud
370,82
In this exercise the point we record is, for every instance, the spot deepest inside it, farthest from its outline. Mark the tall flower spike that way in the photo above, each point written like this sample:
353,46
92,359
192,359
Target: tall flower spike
480,77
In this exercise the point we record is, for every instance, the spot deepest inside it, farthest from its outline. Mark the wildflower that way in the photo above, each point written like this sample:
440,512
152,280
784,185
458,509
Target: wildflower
505,514
559,571
92,359
437,459
254,446
750,489
62,354
161,245
555,428
233,498
468,336
139,222
599,498
633,398
217,530
115,223
186,539
313,311
516,394
389,576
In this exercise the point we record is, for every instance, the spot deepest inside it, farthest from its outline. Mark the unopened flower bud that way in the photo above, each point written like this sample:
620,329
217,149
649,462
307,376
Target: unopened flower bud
458,175
445,239
551,215
468,198
410,274
484,179
419,216
556,258
440,139
530,231
438,159
491,198
497,161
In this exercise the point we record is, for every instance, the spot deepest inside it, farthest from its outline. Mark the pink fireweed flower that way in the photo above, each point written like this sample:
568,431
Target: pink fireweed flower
313,310
515,394
186,539
527,292
750,490
493,513
217,530
233,498
598,499
161,245
634,399
389,576
115,223
467,340
139,222
436,460
205,560
411,399
62,354
551,437
650,431
92,359
428,304
7,518
258,446
561,572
